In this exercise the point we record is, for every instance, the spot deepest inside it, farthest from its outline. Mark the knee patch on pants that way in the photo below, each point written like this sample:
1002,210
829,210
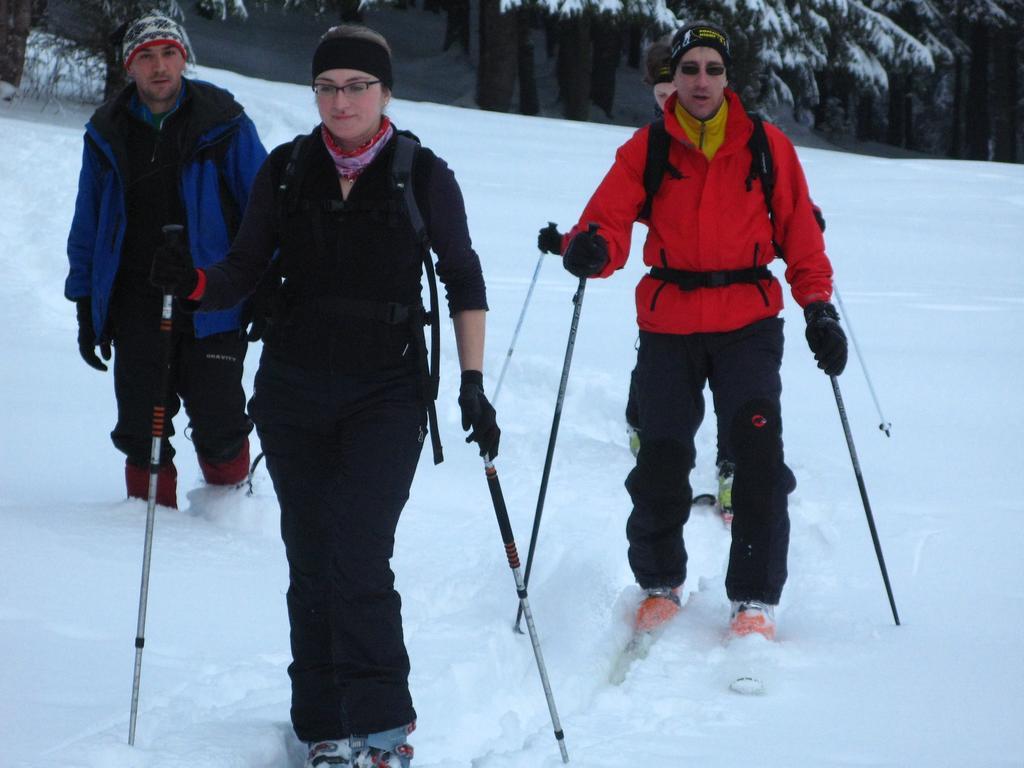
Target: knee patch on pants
756,435
662,468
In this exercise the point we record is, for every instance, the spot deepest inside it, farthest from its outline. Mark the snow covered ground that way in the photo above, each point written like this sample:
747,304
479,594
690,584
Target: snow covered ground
928,260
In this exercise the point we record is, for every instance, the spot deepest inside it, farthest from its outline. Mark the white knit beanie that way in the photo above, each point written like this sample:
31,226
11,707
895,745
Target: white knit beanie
155,28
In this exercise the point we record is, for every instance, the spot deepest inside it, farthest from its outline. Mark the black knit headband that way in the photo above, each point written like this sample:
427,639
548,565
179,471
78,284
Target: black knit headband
353,53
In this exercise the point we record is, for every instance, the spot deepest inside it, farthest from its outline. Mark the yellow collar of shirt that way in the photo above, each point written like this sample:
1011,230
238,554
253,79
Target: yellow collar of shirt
706,135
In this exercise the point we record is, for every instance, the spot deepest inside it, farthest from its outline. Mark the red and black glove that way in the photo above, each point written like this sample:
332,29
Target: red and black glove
172,269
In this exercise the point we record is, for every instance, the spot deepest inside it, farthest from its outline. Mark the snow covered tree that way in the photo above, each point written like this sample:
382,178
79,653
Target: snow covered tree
345,11
221,9
864,47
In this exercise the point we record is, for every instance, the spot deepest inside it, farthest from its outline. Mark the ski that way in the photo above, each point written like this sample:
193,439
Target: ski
637,648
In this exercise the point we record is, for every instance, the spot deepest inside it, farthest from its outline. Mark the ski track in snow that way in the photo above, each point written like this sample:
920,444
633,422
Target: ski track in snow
939,325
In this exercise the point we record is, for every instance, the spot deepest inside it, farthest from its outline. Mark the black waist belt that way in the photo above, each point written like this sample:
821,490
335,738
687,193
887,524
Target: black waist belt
387,312
691,281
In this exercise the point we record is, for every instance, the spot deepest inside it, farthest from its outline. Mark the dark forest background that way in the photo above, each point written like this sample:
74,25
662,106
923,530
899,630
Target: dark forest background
941,77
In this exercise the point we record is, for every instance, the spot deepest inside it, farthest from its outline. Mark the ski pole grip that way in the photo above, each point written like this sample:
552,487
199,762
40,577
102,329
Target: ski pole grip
172,233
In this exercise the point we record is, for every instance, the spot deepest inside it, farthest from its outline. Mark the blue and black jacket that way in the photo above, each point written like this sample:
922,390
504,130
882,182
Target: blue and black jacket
221,156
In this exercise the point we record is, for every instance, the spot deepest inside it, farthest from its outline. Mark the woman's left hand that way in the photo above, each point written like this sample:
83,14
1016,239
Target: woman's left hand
478,414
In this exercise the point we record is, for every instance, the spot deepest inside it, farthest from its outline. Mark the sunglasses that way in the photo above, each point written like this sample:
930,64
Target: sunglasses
692,69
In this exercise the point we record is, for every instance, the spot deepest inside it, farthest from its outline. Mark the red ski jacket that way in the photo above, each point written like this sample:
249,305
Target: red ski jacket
707,221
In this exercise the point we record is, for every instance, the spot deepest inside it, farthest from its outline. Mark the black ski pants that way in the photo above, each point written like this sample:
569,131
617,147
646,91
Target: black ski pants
721,437
342,452
205,375
742,368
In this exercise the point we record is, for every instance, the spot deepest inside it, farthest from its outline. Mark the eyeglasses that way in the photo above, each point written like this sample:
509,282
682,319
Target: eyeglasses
692,69
328,91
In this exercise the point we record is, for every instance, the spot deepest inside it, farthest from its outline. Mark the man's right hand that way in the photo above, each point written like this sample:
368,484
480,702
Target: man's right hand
87,336
172,270
587,253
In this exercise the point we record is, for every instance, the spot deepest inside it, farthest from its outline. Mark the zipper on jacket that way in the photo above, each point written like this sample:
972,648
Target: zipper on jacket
657,293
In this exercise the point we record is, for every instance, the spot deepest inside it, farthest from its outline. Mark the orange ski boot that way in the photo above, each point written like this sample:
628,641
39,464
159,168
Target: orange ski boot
658,606
752,617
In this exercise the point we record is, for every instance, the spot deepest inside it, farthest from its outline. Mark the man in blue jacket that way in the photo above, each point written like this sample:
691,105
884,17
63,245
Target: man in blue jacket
166,150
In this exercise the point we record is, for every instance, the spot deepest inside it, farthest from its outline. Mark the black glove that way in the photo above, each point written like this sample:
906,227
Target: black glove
825,337
479,414
587,253
87,336
172,270
549,239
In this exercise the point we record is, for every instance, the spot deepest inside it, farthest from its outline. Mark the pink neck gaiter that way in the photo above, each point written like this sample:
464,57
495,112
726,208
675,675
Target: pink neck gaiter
350,164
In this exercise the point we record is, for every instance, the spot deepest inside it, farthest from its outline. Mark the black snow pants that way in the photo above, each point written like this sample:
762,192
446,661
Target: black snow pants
206,375
742,368
342,452
721,440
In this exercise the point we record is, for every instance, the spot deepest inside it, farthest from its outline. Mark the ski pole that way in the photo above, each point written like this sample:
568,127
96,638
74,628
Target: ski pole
172,232
884,425
252,471
501,512
577,300
519,324
864,497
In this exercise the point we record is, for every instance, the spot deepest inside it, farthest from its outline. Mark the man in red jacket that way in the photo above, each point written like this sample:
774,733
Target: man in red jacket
708,312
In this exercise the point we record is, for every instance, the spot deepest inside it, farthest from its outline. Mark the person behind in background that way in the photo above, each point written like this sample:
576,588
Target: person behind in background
708,312
166,150
658,74
339,402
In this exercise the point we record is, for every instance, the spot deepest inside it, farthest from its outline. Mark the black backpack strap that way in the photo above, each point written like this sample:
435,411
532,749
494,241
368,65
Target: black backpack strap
262,307
401,175
658,142
288,187
762,168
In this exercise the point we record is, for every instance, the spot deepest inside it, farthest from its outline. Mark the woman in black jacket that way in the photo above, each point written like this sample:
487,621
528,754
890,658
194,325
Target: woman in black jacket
341,395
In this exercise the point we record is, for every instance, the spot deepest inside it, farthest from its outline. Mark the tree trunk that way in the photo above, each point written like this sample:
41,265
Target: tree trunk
607,52
978,123
116,77
496,73
456,29
529,101
15,22
349,11
635,48
865,130
574,63
956,141
552,31
895,131
909,135
1004,88
6,64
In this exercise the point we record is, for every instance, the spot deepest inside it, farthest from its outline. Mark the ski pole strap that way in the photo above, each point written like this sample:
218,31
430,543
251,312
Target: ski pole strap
691,281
